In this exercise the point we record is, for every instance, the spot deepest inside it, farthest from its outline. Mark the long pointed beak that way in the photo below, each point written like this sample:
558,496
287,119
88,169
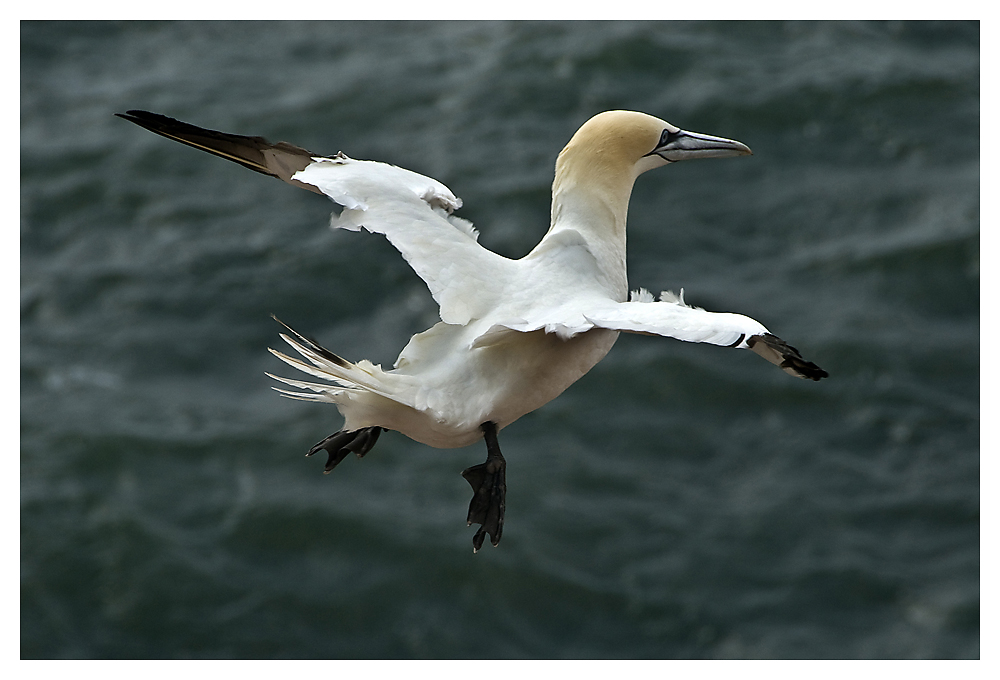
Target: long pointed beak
683,145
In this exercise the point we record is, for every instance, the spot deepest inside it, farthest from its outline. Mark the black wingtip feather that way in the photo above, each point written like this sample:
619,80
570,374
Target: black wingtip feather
786,357
281,160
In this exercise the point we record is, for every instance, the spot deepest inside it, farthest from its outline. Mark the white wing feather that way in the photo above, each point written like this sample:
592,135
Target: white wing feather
413,212
669,317
678,321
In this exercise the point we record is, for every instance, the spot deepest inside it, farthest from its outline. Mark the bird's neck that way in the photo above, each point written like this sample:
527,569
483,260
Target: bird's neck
591,199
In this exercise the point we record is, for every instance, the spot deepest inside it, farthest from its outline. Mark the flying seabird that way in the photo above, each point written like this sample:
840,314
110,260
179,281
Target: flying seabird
513,333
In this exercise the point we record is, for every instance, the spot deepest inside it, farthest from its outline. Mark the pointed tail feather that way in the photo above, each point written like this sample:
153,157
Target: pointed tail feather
315,372
326,393
315,352
326,366
304,396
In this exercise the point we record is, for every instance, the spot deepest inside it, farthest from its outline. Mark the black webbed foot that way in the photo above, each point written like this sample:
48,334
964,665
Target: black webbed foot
339,444
489,486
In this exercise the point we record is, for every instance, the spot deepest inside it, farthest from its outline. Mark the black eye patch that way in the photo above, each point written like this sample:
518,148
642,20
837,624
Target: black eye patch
667,136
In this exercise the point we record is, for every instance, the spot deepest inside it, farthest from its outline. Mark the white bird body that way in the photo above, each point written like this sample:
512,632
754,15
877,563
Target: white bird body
514,334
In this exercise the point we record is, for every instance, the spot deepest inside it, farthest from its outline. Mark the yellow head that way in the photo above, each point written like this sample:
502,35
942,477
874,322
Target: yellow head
596,169
620,145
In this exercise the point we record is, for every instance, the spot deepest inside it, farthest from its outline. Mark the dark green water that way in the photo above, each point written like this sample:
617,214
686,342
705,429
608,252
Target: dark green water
680,501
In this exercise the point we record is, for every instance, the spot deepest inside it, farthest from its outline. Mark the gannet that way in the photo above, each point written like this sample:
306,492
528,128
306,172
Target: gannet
513,333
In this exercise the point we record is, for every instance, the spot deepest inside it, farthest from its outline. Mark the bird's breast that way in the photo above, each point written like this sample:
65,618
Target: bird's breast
500,382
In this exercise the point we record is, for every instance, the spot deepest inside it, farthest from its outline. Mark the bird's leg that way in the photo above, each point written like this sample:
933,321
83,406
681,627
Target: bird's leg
489,486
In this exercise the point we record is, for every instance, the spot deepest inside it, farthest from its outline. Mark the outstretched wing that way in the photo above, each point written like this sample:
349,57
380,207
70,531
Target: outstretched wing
412,211
669,317
672,318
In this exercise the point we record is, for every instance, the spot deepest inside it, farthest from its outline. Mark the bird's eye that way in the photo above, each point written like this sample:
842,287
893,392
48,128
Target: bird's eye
666,137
